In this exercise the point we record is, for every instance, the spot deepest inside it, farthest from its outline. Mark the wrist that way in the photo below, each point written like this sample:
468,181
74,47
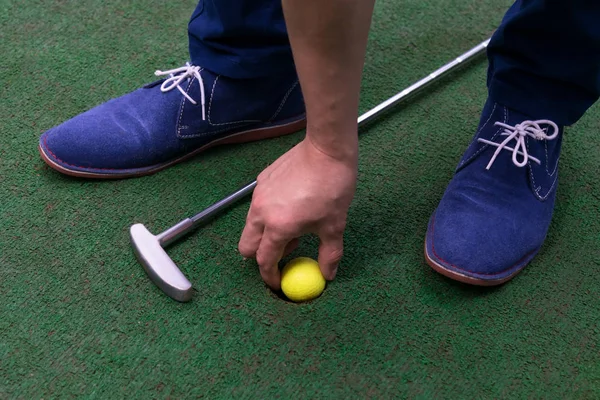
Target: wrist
342,147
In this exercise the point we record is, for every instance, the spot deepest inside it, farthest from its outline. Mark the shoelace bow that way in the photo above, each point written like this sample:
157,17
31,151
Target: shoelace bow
177,76
519,132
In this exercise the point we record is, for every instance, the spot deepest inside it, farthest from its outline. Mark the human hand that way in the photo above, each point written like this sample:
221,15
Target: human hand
304,191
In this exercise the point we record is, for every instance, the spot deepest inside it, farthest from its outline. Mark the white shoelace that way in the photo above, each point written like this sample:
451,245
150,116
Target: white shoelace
178,75
519,132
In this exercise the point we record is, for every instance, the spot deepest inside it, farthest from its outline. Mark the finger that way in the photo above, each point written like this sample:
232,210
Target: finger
268,255
331,250
291,246
251,236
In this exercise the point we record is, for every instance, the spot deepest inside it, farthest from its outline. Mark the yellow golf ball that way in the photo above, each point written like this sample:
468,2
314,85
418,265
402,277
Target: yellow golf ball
301,279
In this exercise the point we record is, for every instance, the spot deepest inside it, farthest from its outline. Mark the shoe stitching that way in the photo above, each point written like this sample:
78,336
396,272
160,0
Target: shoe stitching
479,131
284,101
229,129
210,132
73,165
223,123
192,136
182,106
547,158
466,270
537,190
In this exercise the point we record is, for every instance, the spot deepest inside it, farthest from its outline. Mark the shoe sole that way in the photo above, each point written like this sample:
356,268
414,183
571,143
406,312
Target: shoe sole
241,137
457,276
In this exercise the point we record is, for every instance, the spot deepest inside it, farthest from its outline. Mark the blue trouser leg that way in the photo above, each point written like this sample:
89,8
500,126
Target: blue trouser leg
544,60
240,38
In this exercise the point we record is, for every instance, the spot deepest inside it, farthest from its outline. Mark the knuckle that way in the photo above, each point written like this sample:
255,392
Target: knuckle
334,255
281,226
261,260
264,174
336,229
256,206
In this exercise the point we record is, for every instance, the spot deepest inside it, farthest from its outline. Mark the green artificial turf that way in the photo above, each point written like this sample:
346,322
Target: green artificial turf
79,318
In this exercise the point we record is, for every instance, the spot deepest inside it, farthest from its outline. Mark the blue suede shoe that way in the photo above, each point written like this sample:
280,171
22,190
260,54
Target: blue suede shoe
172,119
495,213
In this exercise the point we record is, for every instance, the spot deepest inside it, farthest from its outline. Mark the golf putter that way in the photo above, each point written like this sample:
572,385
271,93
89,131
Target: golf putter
149,248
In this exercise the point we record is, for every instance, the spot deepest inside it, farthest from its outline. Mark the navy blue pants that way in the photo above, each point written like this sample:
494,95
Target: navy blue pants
544,59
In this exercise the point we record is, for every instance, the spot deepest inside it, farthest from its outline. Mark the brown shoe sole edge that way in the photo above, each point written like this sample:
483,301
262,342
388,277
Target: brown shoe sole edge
463,278
242,137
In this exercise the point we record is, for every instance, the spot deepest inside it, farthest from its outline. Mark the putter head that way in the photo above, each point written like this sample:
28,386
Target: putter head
158,265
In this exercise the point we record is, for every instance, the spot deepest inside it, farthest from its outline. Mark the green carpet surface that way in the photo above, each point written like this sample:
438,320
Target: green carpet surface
79,317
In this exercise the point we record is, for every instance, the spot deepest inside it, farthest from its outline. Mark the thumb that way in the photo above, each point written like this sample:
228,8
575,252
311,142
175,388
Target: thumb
331,251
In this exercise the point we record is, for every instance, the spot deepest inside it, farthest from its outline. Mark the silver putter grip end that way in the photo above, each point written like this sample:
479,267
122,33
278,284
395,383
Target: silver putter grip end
158,265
